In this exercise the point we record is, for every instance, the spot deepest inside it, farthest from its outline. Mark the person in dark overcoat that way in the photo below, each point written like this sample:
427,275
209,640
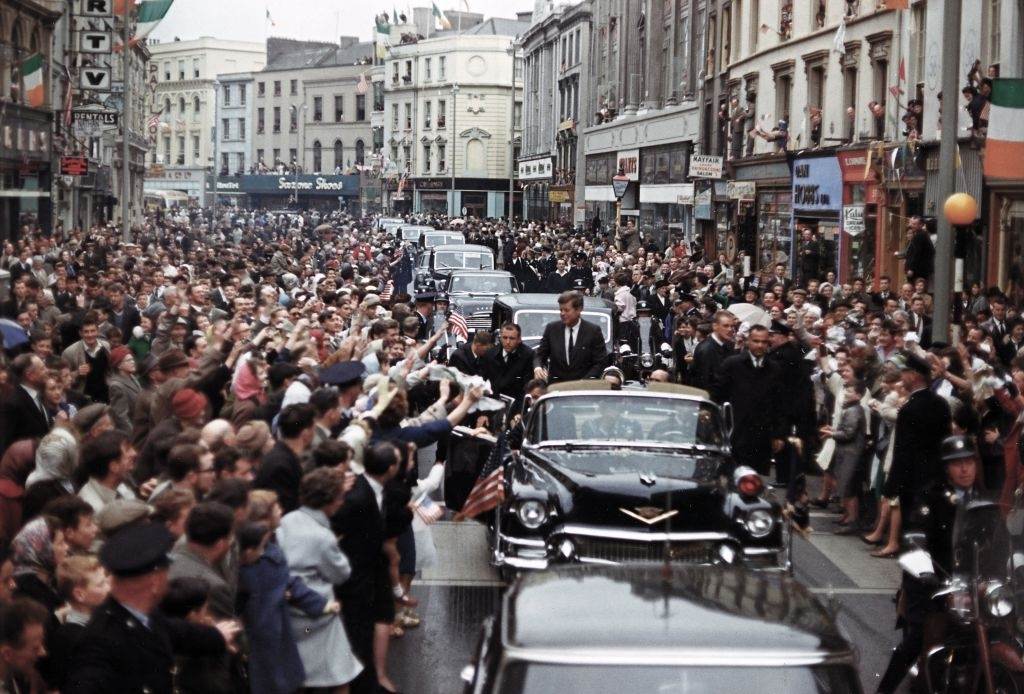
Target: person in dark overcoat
750,382
509,365
921,424
709,354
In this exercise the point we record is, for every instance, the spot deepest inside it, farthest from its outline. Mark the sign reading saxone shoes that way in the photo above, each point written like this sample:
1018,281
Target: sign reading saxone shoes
304,184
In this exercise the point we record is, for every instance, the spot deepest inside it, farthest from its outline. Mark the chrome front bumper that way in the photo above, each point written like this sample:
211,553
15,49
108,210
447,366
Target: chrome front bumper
611,546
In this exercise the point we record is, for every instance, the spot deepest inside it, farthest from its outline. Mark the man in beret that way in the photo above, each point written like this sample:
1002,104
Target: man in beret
128,646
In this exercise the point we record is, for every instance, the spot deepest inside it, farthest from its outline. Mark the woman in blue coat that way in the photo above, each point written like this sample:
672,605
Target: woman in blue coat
270,591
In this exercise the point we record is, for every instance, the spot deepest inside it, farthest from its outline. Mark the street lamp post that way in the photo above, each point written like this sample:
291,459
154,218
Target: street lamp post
512,135
216,139
620,182
455,134
299,150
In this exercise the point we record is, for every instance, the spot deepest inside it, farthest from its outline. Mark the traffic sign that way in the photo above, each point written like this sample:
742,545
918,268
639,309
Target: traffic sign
74,166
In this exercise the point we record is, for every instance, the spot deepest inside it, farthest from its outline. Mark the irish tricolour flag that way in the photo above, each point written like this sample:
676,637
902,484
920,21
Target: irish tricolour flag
32,74
149,15
1004,149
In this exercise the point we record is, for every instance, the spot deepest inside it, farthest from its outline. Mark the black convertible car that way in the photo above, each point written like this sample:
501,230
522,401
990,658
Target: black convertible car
689,630
615,476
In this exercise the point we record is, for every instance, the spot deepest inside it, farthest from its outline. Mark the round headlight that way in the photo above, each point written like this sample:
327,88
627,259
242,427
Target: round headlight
997,599
759,523
532,514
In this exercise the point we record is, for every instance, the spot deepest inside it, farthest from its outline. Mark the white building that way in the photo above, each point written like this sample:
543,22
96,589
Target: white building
452,119
235,121
185,101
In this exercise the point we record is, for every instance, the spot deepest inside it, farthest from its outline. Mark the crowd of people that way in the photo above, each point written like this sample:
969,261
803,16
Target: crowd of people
189,423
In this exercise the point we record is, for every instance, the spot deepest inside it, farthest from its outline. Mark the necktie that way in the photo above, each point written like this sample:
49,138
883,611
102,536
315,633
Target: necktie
572,343
42,408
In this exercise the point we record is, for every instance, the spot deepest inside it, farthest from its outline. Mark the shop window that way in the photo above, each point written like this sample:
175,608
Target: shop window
317,157
360,153
339,155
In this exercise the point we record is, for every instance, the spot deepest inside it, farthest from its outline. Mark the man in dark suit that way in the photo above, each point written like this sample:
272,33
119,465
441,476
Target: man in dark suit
509,366
919,257
751,382
128,646
920,323
469,358
571,348
281,469
22,414
796,391
921,425
879,298
712,351
122,315
366,595
659,302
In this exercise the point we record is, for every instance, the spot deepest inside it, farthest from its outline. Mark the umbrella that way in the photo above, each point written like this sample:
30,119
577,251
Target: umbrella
13,334
750,314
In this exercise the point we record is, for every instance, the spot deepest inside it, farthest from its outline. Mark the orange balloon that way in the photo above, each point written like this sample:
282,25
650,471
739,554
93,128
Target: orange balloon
960,209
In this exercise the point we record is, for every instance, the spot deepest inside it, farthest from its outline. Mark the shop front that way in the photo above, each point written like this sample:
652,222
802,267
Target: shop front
560,200
304,191
598,195
763,213
861,224
663,184
1006,237
431,195
536,173
817,203
25,176
189,180
903,173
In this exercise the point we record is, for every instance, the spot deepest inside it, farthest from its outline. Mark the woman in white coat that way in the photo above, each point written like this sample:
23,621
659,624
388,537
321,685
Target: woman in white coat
313,554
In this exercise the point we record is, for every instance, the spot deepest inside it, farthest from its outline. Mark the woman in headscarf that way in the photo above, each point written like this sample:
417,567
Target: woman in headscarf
36,552
56,459
14,468
248,390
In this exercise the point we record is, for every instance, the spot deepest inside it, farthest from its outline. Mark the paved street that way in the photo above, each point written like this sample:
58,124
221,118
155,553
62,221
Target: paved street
461,589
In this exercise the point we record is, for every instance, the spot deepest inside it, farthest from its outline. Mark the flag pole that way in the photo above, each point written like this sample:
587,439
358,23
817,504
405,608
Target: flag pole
126,189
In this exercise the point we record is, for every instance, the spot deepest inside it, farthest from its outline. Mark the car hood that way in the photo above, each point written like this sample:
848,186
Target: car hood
634,484
472,304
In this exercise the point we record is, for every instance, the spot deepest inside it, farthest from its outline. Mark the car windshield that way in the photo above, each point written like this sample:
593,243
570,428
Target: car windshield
538,678
410,234
482,284
466,260
596,415
532,322
431,240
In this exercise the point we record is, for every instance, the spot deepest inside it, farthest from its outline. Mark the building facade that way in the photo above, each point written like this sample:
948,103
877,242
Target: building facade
811,104
185,103
235,119
642,116
26,149
556,52
452,120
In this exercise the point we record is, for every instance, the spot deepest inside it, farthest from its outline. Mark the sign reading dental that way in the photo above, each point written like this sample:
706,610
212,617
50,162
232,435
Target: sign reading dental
817,186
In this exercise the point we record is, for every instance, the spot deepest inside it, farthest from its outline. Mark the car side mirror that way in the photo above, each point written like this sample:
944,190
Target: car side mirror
727,422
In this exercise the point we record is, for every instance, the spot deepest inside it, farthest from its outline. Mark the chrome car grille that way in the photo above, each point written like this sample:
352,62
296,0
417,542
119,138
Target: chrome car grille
480,320
626,551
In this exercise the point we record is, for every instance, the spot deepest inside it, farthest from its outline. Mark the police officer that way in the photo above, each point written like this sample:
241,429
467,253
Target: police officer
935,515
128,646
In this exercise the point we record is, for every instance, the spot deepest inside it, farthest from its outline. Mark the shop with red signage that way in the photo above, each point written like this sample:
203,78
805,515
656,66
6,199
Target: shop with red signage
861,226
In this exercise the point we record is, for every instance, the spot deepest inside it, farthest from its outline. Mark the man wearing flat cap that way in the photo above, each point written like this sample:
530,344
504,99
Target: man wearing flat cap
921,425
128,646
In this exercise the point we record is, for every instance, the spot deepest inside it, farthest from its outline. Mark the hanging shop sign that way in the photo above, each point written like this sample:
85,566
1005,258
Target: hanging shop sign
705,166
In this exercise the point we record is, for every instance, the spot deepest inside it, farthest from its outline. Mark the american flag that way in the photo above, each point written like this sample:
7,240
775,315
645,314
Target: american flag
385,295
489,490
459,325
154,119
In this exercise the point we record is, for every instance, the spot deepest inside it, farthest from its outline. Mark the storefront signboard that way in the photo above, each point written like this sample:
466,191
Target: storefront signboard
705,166
817,185
628,161
853,219
743,191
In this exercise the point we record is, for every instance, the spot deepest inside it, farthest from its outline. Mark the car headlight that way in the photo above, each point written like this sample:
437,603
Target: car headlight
532,514
759,523
997,599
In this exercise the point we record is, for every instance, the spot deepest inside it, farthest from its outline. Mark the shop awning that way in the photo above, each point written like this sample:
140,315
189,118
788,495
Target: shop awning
24,193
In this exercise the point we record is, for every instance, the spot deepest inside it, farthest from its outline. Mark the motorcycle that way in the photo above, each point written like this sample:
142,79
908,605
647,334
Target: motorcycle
638,367
981,651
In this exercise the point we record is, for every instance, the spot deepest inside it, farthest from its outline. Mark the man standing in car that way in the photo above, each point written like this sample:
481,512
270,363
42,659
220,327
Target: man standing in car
571,348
